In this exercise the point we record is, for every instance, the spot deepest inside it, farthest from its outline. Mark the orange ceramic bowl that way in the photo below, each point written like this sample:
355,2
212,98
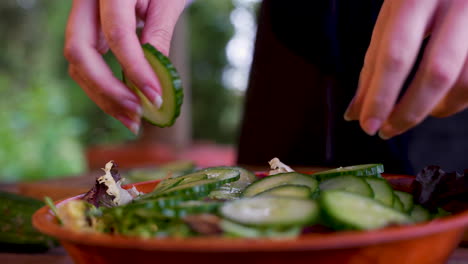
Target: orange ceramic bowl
425,243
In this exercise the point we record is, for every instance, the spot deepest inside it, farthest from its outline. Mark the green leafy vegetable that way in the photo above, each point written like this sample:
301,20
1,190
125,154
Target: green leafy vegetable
215,201
52,206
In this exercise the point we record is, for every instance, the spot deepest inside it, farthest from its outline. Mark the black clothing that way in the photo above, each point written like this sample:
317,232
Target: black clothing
305,71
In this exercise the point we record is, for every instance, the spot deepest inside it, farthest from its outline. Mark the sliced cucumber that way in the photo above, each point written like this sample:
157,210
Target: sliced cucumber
271,211
356,170
232,229
406,200
246,178
172,92
397,204
345,210
225,193
348,183
205,174
288,190
190,207
201,188
161,187
278,180
420,214
175,169
383,192
193,178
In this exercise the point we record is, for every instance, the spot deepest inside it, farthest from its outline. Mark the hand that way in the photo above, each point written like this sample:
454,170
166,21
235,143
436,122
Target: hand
440,87
95,26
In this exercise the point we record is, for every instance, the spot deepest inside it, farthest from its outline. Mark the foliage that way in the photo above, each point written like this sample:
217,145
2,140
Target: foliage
38,136
46,118
214,114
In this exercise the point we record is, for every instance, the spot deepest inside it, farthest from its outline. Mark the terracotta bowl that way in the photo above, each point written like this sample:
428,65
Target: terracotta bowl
425,243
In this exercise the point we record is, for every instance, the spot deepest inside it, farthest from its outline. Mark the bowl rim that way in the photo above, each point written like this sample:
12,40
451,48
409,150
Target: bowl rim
43,220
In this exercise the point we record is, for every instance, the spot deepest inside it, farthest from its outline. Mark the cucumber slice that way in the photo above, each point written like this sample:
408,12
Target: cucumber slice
190,207
225,193
348,183
278,180
383,192
201,188
420,214
176,169
345,210
210,173
161,187
193,178
246,178
271,211
288,190
232,229
172,92
397,204
406,199
356,170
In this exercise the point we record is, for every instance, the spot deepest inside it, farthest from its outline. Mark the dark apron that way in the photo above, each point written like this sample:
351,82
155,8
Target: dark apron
305,71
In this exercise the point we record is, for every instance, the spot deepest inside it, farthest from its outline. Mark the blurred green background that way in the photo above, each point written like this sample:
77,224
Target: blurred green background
46,119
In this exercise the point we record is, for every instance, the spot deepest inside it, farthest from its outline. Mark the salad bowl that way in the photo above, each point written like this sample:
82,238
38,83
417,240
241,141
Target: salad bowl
425,243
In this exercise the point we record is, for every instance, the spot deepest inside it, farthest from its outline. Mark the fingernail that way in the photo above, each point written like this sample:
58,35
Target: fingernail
383,136
132,125
371,126
150,93
158,101
135,128
347,115
132,106
387,131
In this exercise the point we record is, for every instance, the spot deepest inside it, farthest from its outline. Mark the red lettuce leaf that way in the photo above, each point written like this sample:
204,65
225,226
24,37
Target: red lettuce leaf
435,188
98,195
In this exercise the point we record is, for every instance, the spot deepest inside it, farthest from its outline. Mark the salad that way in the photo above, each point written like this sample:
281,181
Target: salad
234,202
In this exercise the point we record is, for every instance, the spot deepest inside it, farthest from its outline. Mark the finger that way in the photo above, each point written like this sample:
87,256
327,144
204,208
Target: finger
132,122
441,65
118,21
102,46
83,26
80,50
127,108
111,94
354,108
160,21
401,41
457,98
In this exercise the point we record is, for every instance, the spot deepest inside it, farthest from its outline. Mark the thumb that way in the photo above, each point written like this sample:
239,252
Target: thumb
161,18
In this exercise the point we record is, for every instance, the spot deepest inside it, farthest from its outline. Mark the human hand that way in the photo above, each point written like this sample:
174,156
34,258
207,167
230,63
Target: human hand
440,86
95,26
